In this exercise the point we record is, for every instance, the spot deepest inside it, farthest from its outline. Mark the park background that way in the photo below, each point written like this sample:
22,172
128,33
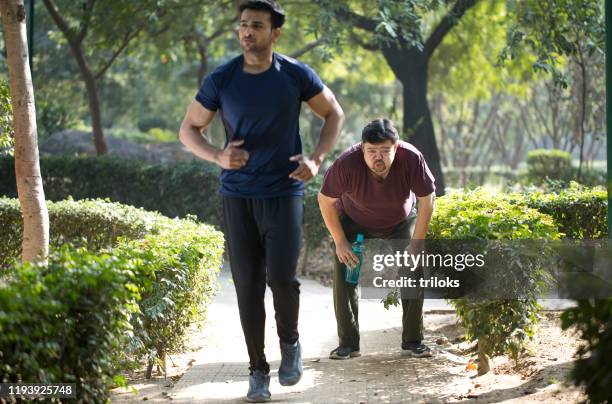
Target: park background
506,99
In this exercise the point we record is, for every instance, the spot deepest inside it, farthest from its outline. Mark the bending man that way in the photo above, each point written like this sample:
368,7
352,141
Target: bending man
370,189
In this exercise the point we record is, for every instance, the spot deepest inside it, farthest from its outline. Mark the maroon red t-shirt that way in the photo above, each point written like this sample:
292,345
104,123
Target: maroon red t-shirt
378,204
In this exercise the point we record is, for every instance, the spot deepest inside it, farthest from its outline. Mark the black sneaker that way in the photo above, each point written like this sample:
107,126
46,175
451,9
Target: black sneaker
290,370
344,352
416,350
259,387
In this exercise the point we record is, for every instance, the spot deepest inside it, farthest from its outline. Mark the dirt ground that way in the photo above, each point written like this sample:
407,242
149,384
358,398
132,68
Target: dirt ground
542,375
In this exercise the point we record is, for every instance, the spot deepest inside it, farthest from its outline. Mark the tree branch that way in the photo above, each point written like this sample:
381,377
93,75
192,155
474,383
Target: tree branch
363,44
308,48
448,22
59,21
222,30
88,8
127,39
360,21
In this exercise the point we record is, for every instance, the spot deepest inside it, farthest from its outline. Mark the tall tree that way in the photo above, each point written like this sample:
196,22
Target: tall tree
99,32
35,246
402,30
555,30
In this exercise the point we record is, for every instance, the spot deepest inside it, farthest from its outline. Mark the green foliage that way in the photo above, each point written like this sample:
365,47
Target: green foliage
552,29
53,116
182,265
94,224
479,214
6,119
549,163
67,322
593,369
315,231
578,211
171,189
148,123
162,135
171,264
501,326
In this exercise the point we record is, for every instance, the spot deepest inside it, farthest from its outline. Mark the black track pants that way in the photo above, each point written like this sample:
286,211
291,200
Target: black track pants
264,237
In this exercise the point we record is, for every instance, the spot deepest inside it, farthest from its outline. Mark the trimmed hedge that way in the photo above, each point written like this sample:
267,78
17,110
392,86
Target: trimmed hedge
168,264
552,164
67,322
174,190
500,326
579,211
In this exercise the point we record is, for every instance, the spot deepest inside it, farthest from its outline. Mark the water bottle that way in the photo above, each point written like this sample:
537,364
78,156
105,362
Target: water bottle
351,275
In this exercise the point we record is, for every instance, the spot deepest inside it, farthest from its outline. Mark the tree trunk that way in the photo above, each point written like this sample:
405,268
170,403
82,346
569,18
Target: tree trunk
203,66
93,99
35,246
410,67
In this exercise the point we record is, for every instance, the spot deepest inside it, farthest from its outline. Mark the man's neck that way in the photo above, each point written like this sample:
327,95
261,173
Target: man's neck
257,62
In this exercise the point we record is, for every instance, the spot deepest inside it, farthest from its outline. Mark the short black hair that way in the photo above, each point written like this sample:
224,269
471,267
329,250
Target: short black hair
379,131
276,12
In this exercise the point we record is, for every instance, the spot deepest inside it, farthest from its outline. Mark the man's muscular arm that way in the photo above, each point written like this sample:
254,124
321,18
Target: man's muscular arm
325,106
197,119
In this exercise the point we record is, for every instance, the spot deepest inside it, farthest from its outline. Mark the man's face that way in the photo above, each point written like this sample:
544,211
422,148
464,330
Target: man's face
255,32
379,156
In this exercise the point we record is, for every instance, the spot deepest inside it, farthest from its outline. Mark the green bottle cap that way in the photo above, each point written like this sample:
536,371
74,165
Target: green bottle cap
359,238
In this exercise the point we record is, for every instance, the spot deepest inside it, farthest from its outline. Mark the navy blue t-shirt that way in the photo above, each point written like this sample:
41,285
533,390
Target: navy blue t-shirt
263,109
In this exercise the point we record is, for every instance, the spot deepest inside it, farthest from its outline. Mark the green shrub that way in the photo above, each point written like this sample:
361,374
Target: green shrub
579,212
549,163
94,224
6,119
148,123
162,135
131,135
502,325
183,261
315,232
52,117
593,369
459,177
67,322
592,176
175,261
175,190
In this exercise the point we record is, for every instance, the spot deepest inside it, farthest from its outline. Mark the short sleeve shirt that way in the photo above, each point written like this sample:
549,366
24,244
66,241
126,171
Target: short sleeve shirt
263,109
378,205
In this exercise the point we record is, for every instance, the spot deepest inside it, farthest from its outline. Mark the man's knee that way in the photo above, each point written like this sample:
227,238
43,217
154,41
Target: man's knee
283,284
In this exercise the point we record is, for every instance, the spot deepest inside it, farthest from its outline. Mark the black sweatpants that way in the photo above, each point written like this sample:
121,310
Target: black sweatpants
264,237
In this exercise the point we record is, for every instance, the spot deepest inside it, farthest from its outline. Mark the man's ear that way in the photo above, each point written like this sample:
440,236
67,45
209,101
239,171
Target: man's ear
276,32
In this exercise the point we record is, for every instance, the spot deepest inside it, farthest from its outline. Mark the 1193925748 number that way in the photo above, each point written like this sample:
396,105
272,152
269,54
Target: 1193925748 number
48,390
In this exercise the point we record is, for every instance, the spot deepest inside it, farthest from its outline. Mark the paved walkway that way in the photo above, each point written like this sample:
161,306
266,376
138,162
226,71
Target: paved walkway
220,370
220,374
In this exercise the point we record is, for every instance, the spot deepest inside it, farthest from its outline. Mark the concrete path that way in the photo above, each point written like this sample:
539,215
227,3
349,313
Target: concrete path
219,372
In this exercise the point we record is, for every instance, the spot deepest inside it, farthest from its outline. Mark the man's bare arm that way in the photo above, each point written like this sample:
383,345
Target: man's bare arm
196,120
424,213
332,222
325,106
